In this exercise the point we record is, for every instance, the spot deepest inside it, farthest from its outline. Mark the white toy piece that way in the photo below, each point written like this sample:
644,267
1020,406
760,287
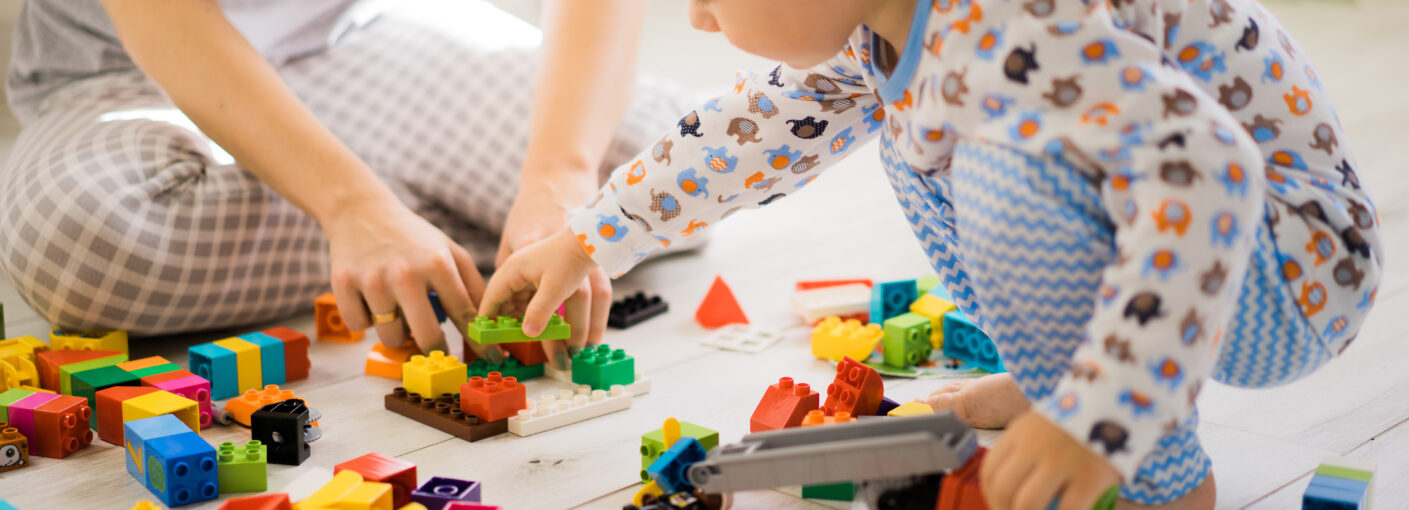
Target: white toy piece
743,338
642,385
568,407
841,300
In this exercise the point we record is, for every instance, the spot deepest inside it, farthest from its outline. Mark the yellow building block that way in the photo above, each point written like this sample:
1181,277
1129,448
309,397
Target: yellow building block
17,371
934,307
23,346
88,340
832,339
162,402
329,494
367,496
911,409
434,374
247,364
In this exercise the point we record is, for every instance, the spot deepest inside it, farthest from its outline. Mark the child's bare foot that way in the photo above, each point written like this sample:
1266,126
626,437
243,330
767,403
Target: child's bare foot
988,402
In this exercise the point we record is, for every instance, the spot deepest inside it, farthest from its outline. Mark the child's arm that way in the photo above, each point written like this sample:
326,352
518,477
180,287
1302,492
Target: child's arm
770,136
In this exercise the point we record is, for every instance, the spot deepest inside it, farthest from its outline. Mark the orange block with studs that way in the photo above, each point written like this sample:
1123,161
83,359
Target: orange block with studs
493,398
331,328
239,409
719,307
857,390
784,405
62,427
383,361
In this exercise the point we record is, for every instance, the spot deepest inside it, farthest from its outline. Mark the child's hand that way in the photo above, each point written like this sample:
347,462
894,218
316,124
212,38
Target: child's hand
1035,462
545,274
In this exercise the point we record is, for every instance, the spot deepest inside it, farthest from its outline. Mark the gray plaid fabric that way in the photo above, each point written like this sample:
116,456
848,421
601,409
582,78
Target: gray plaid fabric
118,213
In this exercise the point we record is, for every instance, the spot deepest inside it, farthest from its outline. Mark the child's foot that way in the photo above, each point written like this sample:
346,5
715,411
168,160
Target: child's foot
988,402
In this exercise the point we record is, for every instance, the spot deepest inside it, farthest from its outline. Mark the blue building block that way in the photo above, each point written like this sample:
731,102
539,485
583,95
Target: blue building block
217,365
890,299
438,308
137,433
1333,493
438,492
669,470
271,357
181,469
965,342
6,506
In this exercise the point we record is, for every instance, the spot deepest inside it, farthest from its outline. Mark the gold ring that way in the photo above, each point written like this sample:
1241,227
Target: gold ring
383,318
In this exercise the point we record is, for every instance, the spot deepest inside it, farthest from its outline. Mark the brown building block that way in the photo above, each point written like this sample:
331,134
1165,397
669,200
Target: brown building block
443,414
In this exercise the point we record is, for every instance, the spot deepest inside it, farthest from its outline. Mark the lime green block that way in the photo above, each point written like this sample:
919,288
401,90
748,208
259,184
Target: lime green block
8,398
1345,472
925,283
66,372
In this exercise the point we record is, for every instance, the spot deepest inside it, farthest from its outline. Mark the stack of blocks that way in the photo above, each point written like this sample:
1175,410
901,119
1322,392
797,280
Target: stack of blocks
653,443
53,425
1340,484
240,410
121,404
180,390
171,460
503,329
433,375
492,398
251,360
243,468
933,322
375,467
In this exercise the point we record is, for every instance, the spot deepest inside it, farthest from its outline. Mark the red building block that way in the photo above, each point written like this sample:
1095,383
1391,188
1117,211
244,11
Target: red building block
14,448
274,501
960,490
493,398
110,410
331,328
49,362
296,363
719,307
857,389
528,353
784,405
819,284
375,467
62,427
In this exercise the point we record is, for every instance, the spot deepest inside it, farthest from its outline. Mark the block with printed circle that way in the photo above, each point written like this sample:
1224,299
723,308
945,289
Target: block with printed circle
182,469
835,339
188,385
857,389
330,326
248,365
14,448
162,402
88,340
109,410
137,433
783,405
433,375
217,365
504,329
242,468
239,410
493,398
907,340
602,367
61,425
375,467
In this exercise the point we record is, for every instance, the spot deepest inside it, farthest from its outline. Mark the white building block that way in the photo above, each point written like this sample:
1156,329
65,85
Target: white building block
642,385
566,408
841,300
743,338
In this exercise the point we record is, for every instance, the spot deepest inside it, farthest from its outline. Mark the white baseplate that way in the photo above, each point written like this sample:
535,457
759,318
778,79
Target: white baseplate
743,338
567,407
642,385
841,300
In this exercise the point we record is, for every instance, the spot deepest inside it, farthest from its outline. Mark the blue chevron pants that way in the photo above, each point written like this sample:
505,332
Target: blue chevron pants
977,248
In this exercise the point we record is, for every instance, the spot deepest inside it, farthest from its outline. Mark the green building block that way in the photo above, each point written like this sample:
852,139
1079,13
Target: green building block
653,443
907,340
510,368
243,468
502,330
842,491
8,398
66,372
925,283
154,370
601,367
88,383
1347,473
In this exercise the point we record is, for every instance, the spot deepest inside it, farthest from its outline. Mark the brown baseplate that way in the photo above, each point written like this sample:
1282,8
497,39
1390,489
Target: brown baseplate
443,414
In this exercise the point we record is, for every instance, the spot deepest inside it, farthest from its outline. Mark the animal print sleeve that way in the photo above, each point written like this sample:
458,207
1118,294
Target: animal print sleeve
767,138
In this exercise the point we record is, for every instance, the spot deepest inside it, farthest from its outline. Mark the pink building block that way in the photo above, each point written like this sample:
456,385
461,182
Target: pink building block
195,388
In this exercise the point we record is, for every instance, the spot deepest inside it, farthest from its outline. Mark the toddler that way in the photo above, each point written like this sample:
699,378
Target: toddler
1128,196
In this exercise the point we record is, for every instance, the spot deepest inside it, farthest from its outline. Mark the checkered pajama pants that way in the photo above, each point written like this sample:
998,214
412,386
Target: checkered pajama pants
117,212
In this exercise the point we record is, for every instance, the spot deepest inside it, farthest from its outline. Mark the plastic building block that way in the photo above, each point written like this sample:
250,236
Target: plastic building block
494,397
1348,468
601,367
248,369
87,383
274,501
527,353
923,284
443,414
17,362
283,427
907,340
783,405
24,346
330,326
66,371
669,470
890,299
642,385
960,490
8,398
182,469
567,407
239,410
342,484
271,357
61,425
510,368
505,329
242,468
49,364
438,308
137,433
368,496
88,340
653,443
849,300
965,342
1334,493
296,363
816,417
462,505
841,491
742,338
14,448
438,492
934,307
860,450
109,410
154,370
835,339
634,309
822,284
375,467
383,361
20,413
162,402
910,409
434,374
857,389
188,385
6,506
147,362
217,365
719,307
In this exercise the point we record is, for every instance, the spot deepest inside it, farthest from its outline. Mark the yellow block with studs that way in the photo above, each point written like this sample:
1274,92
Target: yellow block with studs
247,365
934,307
433,374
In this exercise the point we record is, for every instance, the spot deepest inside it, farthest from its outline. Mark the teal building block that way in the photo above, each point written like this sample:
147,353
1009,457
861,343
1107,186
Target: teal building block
601,367
217,365
243,468
5,505
88,383
890,299
505,329
1327,492
907,340
509,368
271,357
965,342
137,433
841,491
653,443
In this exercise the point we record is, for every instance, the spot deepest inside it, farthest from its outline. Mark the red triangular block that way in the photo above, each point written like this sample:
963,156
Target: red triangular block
719,307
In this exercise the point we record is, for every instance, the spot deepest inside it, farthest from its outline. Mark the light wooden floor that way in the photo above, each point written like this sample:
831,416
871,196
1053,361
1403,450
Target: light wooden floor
1264,443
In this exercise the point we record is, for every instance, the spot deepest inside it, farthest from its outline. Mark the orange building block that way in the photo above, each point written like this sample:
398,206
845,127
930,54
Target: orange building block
296,363
273,501
138,364
857,389
14,448
375,467
821,284
109,402
331,328
719,307
61,425
817,417
493,398
784,405
960,490
528,353
242,407
49,362
383,361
